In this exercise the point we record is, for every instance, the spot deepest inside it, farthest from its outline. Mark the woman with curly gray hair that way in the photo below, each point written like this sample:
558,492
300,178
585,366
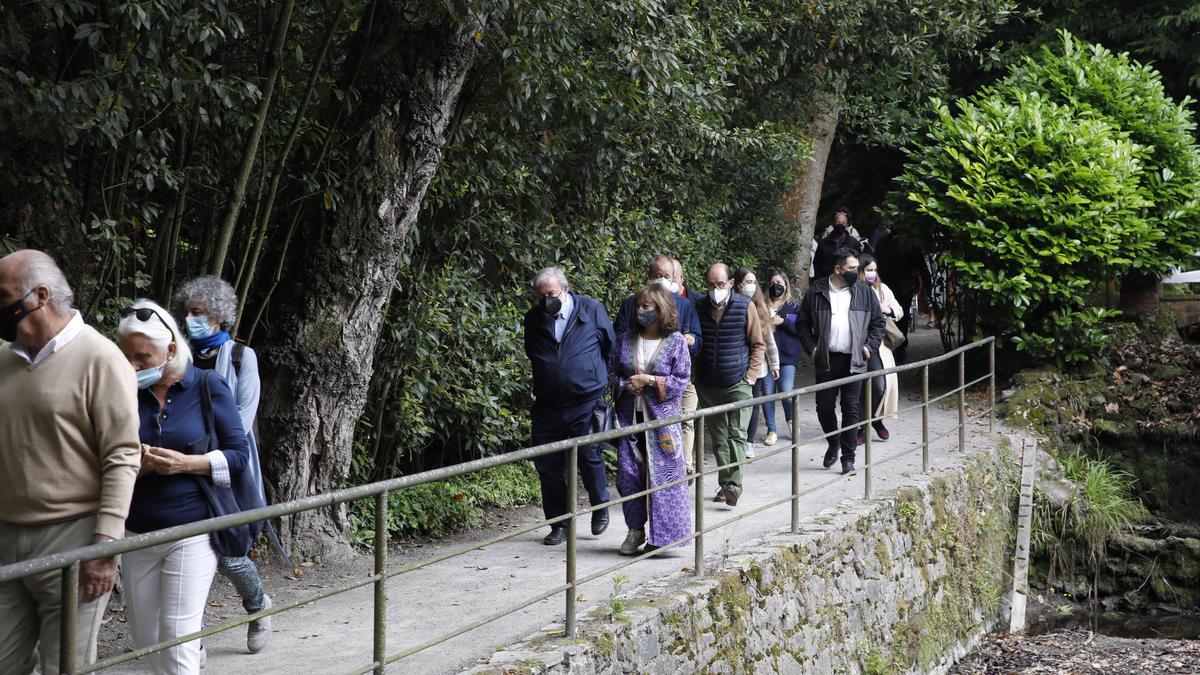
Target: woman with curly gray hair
209,306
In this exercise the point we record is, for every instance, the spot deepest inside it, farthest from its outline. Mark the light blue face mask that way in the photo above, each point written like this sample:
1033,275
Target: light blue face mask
198,327
150,376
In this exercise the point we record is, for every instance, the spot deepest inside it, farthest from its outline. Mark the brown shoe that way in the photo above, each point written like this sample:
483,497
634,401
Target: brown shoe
720,496
732,494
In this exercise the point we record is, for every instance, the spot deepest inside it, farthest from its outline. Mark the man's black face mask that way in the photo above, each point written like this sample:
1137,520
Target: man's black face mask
550,305
11,315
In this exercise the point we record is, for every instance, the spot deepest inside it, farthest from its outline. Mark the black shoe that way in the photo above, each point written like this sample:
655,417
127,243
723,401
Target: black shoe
599,521
847,466
557,536
830,457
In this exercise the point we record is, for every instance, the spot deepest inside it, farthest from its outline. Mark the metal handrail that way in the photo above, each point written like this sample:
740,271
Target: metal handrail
68,561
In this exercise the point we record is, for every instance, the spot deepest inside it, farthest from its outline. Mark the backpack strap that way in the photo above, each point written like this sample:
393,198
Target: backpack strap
239,348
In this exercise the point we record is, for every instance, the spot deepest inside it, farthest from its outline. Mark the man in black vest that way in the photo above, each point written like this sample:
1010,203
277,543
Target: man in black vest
568,338
841,327
730,358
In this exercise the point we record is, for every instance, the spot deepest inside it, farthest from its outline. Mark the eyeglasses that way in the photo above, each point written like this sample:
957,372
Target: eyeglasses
144,314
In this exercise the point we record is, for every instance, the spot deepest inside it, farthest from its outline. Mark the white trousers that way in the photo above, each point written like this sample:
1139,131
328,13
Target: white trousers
166,588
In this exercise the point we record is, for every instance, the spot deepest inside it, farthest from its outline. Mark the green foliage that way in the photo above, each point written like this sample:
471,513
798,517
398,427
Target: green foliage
1102,506
443,507
1047,183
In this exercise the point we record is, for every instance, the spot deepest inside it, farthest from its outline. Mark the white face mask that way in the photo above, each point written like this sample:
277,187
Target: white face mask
719,295
748,289
667,284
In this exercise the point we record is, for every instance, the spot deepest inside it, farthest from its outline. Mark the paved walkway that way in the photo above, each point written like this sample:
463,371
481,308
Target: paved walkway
334,635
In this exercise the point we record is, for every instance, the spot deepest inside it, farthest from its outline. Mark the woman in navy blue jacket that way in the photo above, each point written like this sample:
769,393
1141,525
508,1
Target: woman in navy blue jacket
784,310
166,586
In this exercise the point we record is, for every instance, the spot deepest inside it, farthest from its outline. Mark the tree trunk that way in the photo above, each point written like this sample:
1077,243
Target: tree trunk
800,204
322,331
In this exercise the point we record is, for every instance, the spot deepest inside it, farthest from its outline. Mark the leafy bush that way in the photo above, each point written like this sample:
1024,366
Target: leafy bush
1047,183
437,509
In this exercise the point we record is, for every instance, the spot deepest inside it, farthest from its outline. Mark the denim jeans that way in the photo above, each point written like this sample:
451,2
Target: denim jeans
768,385
241,572
762,386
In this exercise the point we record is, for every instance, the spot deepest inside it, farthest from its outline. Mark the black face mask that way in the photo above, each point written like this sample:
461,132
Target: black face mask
777,290
11,315
550,305
839,229
850,277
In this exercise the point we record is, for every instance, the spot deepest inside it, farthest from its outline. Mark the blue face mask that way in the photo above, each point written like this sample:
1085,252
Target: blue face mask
198,327
148,377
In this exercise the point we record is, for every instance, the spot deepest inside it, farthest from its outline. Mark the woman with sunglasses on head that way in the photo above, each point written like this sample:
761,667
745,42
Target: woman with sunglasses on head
184,462
209,307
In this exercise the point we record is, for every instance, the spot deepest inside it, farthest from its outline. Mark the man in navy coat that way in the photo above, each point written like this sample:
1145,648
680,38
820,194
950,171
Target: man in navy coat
568,338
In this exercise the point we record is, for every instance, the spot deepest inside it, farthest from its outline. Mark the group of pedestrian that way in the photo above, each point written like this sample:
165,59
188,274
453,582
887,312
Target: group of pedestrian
92,449
738,340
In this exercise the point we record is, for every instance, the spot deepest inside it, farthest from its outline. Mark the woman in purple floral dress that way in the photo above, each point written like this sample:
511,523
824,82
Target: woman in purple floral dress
648,370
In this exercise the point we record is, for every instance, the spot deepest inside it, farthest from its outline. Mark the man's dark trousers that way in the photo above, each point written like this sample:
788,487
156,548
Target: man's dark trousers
553,423
851,395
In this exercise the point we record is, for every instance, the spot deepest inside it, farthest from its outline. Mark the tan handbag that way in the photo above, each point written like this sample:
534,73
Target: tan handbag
894,337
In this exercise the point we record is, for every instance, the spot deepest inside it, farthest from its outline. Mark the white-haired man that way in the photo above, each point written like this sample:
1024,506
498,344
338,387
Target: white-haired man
69,456
567,338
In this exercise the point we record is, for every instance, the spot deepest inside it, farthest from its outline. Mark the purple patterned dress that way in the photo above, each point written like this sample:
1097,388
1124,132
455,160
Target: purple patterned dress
670,509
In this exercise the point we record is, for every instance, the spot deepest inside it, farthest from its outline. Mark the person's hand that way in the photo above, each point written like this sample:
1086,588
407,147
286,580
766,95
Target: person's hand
777,320
866,352
168,462
812,353
96,577
633,386
774,374
691,339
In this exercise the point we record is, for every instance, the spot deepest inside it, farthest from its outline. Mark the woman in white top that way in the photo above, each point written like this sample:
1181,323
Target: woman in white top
648,370
885,391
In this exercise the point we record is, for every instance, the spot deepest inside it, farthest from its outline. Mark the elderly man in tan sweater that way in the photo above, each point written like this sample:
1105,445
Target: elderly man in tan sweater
69,455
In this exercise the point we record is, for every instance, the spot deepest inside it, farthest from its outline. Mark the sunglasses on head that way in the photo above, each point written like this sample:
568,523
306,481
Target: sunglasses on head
144,314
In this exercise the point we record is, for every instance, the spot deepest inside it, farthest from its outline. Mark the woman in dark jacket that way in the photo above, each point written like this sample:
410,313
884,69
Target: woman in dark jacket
784,310
166,586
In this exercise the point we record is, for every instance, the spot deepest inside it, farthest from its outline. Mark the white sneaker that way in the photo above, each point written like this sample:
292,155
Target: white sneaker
203,657
750,451
772,439
258,632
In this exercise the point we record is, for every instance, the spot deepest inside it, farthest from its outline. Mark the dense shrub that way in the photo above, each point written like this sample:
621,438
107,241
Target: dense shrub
437,509
1047,183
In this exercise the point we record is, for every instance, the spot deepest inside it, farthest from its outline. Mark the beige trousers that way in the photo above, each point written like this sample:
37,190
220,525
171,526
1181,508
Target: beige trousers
690,402
30,607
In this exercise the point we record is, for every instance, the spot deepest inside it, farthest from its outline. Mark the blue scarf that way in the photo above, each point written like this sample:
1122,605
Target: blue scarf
212,341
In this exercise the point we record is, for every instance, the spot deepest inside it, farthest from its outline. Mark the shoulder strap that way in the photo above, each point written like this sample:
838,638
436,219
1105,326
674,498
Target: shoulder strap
206,407
239,348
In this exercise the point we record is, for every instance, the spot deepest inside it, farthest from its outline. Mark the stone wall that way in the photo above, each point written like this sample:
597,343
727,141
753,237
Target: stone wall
901,584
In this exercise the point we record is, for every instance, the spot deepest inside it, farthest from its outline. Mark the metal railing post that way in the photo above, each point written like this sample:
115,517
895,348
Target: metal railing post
68,619
870,414
698,451
572,505
992,387
379,653
796,464
925,419
962,402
